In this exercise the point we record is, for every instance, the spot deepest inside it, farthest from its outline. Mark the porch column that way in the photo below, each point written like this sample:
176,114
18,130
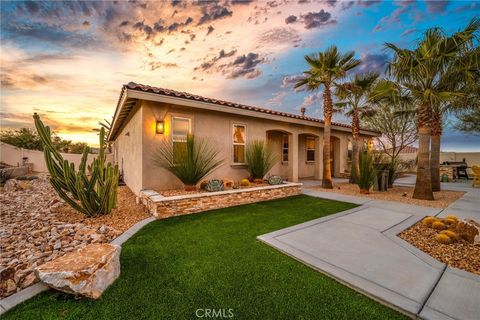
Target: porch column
342,154
318,157
293,157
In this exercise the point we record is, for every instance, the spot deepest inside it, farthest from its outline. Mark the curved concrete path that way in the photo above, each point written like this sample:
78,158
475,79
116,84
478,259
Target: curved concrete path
359,247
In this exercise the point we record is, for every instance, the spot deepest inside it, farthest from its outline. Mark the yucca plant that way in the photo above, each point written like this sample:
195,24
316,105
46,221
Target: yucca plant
190,161
366,174
92,192
259,158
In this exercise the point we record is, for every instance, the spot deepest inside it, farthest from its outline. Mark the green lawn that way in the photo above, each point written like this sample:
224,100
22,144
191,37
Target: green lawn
212,260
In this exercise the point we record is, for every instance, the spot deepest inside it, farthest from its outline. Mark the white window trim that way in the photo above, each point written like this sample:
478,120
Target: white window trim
238,144
287,148
306,150
189,127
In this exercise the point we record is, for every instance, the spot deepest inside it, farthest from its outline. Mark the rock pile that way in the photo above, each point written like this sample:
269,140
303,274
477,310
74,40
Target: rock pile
32,233
87,271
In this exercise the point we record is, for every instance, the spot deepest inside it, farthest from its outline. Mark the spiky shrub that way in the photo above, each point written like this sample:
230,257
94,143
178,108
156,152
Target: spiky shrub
94,192
259,158
366,174
191,161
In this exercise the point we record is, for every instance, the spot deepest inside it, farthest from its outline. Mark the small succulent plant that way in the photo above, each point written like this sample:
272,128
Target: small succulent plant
438,225
428,221
443,238
452,235
214,185
244,182
274,180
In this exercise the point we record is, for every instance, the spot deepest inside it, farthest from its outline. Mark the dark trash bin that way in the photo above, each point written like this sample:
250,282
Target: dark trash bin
381,180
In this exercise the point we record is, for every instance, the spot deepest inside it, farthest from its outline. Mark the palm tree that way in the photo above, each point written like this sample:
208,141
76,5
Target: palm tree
355,103
422,72
326,68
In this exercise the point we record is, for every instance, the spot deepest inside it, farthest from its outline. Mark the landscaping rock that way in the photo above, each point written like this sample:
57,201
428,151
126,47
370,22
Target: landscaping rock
469,230
87,271
33,232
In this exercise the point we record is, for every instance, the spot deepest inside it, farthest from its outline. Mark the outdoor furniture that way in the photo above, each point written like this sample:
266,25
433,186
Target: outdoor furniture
476,176
381,180
460,168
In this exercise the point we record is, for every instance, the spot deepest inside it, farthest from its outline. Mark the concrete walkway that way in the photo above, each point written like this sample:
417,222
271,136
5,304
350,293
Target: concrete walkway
360,248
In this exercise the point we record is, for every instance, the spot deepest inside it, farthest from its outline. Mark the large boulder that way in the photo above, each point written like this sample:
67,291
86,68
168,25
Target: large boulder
469,230
87,271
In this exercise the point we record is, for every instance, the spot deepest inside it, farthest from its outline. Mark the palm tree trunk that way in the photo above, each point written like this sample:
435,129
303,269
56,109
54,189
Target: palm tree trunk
435,150
423,184
327,114
355,149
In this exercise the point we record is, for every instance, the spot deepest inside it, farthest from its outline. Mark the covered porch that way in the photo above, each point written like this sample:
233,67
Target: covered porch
301,154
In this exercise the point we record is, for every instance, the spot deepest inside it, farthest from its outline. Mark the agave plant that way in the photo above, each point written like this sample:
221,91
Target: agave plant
366,174
259,158
190,161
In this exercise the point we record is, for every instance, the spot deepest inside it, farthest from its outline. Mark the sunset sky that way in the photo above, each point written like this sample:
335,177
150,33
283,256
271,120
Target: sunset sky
68,60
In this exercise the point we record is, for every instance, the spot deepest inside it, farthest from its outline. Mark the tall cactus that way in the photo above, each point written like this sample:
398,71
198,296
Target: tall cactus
93,191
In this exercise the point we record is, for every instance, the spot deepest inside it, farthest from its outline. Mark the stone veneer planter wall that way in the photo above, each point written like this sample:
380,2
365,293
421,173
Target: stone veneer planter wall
164,207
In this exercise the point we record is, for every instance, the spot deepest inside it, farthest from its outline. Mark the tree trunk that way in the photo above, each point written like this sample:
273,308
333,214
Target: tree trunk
355,148
327,114
435,150
423,184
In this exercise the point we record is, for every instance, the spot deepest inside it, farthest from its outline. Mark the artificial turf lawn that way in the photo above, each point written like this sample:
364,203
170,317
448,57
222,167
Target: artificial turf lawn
212,260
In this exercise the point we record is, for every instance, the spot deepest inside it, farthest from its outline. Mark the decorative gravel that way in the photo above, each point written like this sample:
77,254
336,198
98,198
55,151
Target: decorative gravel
36,226
460,254
401,194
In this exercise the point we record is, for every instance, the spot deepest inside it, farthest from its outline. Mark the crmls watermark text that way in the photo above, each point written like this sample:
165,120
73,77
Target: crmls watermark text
214,313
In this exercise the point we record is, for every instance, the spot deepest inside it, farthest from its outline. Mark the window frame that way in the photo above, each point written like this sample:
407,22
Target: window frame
173,140
310,149
285,137
189,127
244,144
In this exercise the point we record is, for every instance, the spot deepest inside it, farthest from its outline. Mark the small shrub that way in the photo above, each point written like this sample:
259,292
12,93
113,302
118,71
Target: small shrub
443,238
438,225
452,217
259,158
274,180
366,175
452,235
214,185
428,221
245,182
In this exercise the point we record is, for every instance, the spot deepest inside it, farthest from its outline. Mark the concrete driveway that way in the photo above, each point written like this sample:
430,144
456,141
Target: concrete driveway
359,247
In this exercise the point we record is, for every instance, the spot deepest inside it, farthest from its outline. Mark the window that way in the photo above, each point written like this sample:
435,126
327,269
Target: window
285,148
181,128
310,146
239,143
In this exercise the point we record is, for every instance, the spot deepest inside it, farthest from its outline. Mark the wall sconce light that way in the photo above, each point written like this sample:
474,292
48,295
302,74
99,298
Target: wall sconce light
370,145
159,127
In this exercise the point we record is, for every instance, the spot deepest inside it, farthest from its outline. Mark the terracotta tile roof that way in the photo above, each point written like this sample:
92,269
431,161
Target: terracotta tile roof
189,96
407,149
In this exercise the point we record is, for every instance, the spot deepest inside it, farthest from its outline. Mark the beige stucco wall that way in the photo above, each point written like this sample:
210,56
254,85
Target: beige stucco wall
128,151
13,156
139,147
472,158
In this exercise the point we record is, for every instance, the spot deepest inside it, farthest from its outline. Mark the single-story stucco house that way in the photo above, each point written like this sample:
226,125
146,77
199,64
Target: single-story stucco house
145,115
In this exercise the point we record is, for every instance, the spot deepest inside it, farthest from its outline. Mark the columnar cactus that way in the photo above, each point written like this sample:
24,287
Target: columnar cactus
93,191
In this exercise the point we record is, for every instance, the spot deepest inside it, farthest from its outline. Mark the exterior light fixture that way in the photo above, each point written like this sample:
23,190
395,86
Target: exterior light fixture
159,127
370,145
